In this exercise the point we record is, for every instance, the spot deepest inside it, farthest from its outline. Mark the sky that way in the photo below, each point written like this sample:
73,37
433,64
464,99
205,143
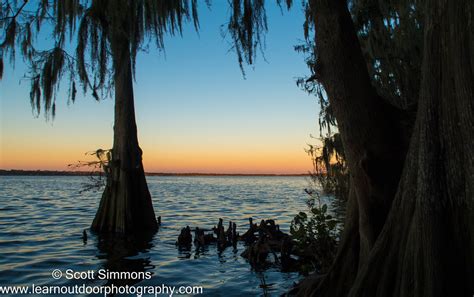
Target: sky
195,110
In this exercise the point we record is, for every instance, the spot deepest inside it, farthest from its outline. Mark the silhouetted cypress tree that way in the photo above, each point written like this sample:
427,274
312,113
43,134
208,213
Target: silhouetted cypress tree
106,36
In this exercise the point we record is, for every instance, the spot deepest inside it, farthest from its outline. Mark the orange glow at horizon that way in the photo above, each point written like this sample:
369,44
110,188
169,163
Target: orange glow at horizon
58,156
220,162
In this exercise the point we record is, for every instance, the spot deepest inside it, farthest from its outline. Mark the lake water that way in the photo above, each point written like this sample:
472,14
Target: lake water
42,218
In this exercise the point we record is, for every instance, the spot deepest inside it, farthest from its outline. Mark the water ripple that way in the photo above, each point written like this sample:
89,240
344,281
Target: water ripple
42,218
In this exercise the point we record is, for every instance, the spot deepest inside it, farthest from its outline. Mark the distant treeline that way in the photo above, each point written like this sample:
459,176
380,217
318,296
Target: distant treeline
85,173
44,172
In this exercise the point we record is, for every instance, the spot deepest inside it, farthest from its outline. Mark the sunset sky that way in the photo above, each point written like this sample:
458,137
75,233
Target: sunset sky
195,111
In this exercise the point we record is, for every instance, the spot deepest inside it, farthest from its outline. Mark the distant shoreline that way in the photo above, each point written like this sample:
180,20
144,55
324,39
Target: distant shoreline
14,172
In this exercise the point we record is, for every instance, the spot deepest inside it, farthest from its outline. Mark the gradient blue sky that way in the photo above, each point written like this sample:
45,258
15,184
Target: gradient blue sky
195,111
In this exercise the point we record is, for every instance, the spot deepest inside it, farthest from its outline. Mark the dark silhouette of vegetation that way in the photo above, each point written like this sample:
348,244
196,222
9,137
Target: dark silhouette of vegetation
98,170
329,172
315,234
309,247
398,76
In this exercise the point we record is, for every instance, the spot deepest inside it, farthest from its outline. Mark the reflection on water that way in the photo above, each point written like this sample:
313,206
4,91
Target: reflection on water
128,254
42,218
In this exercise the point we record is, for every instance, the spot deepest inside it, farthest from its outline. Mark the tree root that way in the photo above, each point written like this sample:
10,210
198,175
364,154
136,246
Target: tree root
261,241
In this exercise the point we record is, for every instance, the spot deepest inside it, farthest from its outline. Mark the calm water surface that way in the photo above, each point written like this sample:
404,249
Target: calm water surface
42,218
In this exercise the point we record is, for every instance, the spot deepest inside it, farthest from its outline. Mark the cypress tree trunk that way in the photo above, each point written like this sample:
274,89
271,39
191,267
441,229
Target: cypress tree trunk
126,205
416,236
425,240
372,139
427,245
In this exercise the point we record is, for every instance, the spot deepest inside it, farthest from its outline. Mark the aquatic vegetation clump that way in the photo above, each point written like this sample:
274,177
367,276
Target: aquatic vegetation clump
315,235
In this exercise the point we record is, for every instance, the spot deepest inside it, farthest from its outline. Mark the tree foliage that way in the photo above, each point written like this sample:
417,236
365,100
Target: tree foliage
81,33
390,34
90,27
315,233
391,37
330,171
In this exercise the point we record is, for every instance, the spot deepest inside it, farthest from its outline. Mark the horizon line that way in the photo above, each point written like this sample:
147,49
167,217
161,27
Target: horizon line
4,172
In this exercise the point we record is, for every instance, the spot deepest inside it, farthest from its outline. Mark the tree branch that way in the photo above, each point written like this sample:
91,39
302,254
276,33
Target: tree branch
17,13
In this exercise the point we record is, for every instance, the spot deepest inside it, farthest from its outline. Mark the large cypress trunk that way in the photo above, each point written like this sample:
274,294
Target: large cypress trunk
126,205
426,247
372,140
416,236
